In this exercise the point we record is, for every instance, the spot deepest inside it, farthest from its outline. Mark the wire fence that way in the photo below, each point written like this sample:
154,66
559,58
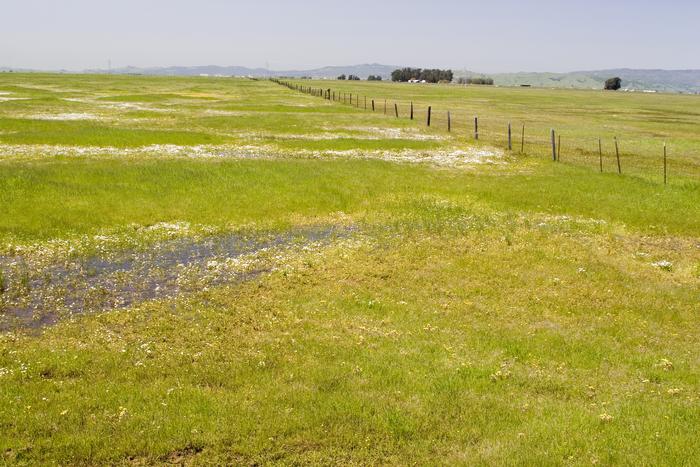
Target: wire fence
608,153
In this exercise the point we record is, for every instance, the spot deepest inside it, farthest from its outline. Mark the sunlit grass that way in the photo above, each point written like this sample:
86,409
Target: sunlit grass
97,194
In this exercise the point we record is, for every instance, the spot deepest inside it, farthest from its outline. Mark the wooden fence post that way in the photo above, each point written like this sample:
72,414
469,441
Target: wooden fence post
554,146
510,138
372,105
396,109
384,106
449,122
617,154
600,154
411,110
365,102
476,128
522,141
429,110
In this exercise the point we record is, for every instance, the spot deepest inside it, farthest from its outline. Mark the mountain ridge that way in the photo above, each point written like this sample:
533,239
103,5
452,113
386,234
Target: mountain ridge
660,80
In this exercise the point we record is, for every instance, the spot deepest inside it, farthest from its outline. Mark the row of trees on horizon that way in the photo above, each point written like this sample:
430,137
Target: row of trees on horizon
404,75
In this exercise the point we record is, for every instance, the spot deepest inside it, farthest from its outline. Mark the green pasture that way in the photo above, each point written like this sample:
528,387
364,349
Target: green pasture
641,122
512,312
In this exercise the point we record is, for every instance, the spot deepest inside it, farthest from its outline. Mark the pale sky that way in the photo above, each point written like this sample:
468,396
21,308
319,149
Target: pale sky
487,36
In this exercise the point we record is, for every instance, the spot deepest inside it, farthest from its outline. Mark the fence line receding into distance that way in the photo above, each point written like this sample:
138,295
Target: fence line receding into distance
554,142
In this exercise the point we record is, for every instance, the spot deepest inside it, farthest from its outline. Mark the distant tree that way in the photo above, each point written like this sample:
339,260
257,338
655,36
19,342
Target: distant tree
430,76
613,84
374,78
354,78
476,80
405,74
436,76
342,77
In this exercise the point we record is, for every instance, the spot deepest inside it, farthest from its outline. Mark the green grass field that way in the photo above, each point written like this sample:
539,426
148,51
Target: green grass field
476,307
641,122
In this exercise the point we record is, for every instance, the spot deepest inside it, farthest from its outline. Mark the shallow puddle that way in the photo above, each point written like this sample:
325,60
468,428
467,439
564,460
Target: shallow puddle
33,299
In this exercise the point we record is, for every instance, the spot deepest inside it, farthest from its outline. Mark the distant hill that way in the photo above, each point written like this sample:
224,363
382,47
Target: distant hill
363,71
687,81
330,72
14,70
656,80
